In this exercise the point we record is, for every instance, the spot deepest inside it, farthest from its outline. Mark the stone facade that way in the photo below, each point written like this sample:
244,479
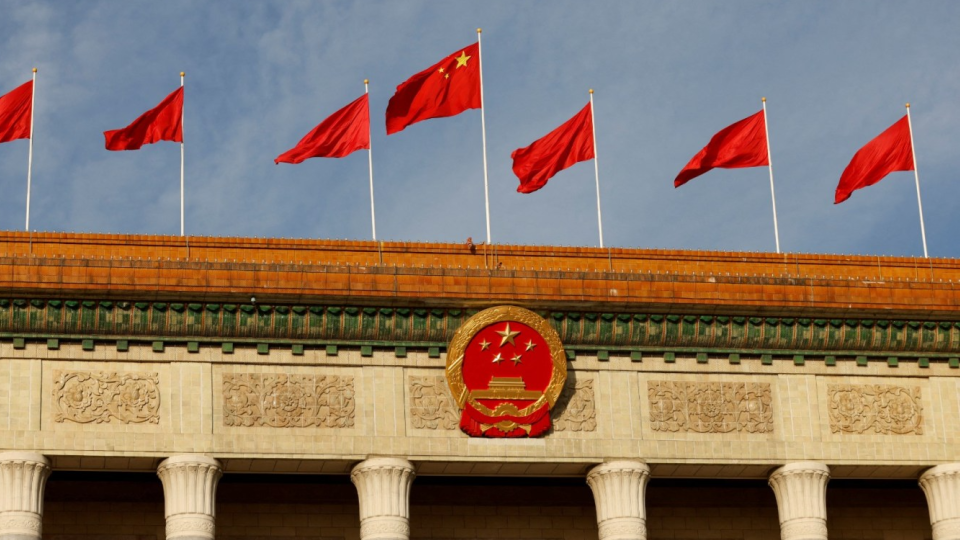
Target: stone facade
194,371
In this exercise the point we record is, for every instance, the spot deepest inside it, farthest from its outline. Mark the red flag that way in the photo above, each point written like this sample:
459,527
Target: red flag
15,110
570,143
447,88
161,123
743,144
888,152
341,134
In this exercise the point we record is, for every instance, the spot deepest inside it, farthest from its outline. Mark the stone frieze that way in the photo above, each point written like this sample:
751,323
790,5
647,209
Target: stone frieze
875,408
431,406
100,397
578,406
711,407
288,401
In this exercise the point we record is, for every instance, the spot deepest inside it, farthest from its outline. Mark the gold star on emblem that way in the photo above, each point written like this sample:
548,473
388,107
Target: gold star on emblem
497,359
484,345
531,345
507,336
515,359
462,59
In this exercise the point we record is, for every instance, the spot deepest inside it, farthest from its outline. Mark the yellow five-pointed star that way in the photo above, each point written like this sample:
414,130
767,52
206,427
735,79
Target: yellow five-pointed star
462,59
441,70
515,359
507,336
497,359
484,345
531,345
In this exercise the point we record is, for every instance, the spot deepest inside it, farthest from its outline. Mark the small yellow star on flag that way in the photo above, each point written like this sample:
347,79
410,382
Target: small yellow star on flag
462,59
507,336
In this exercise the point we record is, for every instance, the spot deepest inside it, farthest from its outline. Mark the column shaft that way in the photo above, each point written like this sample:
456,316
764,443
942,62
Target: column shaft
619,489
941,485
23,476
383,486
189,496
801,491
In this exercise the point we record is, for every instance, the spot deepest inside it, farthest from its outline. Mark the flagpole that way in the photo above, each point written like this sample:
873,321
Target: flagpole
373,214
773,196
33,111
596,166
916,176
483,128
181,158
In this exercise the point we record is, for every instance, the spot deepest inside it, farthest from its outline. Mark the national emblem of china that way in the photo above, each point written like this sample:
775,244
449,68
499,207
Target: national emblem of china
506,368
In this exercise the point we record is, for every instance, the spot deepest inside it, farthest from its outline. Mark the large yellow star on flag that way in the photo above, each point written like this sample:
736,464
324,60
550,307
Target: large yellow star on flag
462,59
507,336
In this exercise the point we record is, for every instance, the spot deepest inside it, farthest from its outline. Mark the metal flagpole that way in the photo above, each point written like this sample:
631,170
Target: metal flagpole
916,176
483,127
33,111
596,166
773,196
373,214
181,158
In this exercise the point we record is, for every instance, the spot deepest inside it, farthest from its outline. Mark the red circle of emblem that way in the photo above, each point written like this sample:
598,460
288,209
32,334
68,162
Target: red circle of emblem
506,367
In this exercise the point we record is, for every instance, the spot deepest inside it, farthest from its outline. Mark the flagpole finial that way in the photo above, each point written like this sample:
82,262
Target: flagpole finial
182,74
479,30
591,90
763,99
908,105
34,70
366,81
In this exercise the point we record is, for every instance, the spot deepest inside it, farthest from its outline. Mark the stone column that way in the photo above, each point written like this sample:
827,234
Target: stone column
383,486
190,495
801,490
941,485
619,490
23,476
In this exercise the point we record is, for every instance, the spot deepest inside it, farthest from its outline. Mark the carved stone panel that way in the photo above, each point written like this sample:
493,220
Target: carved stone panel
875,408
713,407
101,397
280,400
431,406
579,407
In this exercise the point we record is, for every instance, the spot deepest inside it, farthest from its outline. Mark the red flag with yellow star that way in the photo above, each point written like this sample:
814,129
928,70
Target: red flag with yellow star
447,88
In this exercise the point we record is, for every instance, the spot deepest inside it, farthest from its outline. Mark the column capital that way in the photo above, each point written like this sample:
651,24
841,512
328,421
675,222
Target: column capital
23,476
383,487
941,485
189,495
619,489
801,491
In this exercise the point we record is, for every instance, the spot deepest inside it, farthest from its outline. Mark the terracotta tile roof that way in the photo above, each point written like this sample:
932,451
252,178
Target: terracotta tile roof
394,273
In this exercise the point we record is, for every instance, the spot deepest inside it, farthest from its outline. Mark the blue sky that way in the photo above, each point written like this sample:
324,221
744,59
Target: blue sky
667,76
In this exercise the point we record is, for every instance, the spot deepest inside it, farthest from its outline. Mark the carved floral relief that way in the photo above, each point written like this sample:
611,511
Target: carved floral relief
100,397
280,400
714,407
875,408
579,407
431,406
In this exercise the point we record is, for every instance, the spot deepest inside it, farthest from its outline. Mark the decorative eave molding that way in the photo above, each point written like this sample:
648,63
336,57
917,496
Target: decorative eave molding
628,333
